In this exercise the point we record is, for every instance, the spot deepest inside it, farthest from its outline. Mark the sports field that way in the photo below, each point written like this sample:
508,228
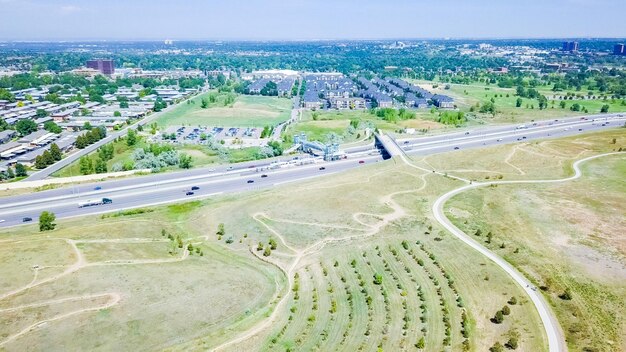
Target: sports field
245,111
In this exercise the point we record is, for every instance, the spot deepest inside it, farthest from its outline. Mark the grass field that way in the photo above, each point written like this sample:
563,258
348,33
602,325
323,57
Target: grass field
317,125
467,95
567,236
246,111
354,262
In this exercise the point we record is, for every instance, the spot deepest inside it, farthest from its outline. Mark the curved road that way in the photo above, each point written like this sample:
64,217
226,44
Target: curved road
556,340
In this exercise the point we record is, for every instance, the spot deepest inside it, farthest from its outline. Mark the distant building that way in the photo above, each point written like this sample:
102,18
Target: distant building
570,46
619,49
106,67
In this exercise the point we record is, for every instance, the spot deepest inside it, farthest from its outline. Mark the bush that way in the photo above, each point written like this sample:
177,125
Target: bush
512,343
46,221
498,318
497,347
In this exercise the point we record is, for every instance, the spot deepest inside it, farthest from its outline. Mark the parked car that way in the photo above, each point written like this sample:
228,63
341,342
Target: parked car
27,219
189,193
195,188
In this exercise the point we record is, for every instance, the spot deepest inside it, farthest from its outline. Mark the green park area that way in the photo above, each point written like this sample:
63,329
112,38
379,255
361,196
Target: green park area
483,103
215,109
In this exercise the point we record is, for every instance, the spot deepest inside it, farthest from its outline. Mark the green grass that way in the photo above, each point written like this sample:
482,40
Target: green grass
246,111
467,95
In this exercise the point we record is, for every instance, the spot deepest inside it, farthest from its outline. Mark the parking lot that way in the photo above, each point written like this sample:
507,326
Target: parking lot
231,136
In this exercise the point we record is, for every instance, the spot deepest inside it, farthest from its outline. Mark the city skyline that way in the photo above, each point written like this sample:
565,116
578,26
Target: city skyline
36,20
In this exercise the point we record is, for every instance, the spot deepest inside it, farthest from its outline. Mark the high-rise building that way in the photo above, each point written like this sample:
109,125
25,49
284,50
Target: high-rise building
619,49
106,67
570,46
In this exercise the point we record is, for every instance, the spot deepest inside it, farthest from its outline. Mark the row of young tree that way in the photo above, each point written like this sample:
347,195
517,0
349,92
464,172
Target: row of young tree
48,157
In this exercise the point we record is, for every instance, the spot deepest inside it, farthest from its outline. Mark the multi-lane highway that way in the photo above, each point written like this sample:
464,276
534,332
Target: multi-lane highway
172,187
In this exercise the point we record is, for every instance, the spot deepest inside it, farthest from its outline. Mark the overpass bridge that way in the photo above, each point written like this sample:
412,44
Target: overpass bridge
387,146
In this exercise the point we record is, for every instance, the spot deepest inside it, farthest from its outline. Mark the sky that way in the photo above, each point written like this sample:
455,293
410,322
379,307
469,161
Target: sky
308,19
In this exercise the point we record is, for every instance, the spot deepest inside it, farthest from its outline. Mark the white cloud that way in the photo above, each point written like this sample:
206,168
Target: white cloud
67,9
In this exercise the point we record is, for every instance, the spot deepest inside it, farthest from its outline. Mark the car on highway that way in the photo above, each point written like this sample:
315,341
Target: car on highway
499,140
361,161
580,129
97,188
456,148
27,219
195,188
322,168
2,220
523,137
107,200
189,193
466,133
406,142
229,168
211,170
263,176
250,181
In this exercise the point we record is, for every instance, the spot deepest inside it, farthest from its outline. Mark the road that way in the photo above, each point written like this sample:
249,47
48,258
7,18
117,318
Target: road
42,174
556,341
171,187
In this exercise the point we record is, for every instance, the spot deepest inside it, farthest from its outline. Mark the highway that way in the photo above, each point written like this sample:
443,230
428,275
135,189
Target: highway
172,187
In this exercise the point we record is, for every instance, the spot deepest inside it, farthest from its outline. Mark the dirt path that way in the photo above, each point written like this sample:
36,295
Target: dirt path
508,160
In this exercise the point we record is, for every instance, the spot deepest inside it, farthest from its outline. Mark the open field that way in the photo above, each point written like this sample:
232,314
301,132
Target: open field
467,95
353,262
104,284
318,124
563,236
246,111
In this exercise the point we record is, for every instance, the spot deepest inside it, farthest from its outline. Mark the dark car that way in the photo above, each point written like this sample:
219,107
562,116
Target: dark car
322,168
406,142
189,193
580,129
456,148
107,200
27,219
264,175
250,181
195,188
524,137
466,133
361,161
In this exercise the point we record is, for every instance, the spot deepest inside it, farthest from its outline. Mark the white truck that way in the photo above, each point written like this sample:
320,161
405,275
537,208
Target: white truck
92,202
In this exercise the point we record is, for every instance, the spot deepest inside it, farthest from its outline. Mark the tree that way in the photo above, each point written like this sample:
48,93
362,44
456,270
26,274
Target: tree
185,161
566,295
25,127
562,104
52,127
100,166
39,162
10,173
85,165
123,104
498,318
420,343
378,279
117,113
512,343
512,301
220,230
204,103
506,310
20,170
575,107
131,138
272,243
55,151
518,102
87,126
267,252
46,221
497,347
47,158
604,108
